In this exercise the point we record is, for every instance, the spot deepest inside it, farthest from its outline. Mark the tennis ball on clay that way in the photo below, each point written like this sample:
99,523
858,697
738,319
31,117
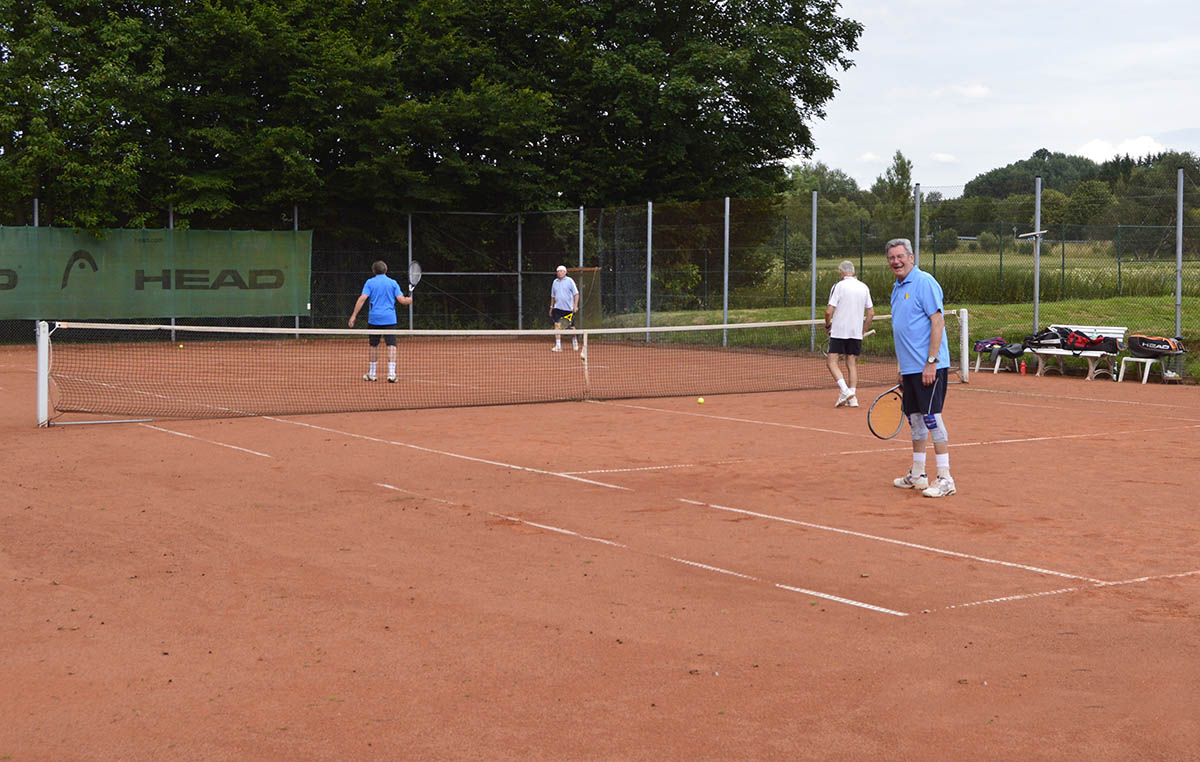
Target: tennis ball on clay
181,346
699,400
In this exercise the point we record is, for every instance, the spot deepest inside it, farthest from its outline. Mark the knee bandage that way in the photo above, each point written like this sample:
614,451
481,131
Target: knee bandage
939,434
916,424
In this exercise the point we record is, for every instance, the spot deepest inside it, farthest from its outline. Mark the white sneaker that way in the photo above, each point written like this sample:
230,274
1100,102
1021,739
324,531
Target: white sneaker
369,377
574,347
843,397
853,402
943,486
908,481
555,349
392,379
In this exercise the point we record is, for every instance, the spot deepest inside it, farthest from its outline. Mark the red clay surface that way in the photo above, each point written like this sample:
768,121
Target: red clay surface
630,580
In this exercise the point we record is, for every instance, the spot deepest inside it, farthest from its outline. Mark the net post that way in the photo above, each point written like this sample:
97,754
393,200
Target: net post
964,355
42,331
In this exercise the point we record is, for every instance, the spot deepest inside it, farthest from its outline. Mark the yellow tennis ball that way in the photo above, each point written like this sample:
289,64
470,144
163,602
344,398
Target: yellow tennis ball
181,346
699,400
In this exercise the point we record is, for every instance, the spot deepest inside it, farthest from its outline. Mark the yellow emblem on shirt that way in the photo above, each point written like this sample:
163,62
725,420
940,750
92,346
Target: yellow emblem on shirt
906,296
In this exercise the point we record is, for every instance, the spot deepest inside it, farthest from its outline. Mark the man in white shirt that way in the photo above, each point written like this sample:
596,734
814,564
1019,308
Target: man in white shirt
564,303
847,318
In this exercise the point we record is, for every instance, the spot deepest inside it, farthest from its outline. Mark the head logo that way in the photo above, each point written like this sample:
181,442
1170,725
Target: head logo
83,258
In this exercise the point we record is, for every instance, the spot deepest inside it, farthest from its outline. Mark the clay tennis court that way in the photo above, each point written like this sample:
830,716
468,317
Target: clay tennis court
630,580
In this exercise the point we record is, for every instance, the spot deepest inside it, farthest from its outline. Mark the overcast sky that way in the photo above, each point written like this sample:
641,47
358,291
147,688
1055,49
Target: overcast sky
965,86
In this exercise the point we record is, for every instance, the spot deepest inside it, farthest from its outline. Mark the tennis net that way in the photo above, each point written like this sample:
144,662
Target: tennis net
163,371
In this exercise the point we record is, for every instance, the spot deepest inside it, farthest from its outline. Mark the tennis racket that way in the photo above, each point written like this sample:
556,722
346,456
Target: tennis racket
414,275
569,319
825,346
886,415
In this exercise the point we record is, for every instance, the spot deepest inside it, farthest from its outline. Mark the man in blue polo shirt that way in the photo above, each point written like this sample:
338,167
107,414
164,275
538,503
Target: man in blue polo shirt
383,293
919,330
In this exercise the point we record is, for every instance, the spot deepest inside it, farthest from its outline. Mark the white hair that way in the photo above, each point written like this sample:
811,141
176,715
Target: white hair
561,268
846,267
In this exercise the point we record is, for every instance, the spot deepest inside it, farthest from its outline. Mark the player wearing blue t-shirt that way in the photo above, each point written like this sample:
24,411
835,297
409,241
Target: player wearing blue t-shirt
383,294
919,330
564,303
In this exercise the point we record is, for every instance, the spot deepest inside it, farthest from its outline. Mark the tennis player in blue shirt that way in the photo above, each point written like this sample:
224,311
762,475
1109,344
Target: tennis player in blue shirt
384,294
919,330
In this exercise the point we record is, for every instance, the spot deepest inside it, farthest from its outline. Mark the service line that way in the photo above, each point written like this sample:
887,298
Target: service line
208,441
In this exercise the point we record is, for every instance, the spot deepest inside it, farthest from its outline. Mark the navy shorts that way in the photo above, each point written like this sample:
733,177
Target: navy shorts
845,346
556,315
389,339
922,399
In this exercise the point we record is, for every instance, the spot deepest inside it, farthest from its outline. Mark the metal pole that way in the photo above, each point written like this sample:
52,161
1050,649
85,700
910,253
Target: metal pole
410,259
812,299
171,249
785,258
649,257
1179,252
35,212
725,295
1037,249
917,224
295,229
520,289
42,331
581,236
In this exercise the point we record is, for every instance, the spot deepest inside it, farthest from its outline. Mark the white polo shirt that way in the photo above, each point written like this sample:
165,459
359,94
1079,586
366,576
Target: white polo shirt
850,298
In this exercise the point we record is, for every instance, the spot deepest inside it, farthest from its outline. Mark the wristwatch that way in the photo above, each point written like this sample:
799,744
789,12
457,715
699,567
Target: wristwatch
931,360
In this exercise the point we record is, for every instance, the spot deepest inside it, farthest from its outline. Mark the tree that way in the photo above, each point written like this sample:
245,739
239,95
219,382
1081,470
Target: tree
1057,170
831,184
233,111
1089,202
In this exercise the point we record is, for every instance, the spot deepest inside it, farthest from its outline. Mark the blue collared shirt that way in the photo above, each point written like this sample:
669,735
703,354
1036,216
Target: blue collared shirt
382,291
914,300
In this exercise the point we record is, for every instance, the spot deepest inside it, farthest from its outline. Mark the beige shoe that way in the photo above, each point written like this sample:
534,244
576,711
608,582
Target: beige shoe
943,486
908,481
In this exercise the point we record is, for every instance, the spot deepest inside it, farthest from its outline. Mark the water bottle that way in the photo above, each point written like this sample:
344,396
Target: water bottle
1022,367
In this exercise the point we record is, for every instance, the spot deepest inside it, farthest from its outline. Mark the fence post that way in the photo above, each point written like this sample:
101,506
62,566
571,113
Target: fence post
812,332
410,259
1037,249
520,285
649,257
35,212
725,294
1000,229
1179,252
917,224
581,239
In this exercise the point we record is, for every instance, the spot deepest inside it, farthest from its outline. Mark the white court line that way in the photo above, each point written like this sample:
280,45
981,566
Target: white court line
458,456
209,441
729,418
654,468
877,538
1024,440
1061,591
705,567
415,494
1059,397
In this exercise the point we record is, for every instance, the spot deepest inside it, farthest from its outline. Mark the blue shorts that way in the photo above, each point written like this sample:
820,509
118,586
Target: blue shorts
556,315
922,399
389,339
845,346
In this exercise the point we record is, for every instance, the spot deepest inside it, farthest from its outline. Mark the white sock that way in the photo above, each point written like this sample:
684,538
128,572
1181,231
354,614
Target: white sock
918,466
371,368
853,392
391,369
943,465
842,385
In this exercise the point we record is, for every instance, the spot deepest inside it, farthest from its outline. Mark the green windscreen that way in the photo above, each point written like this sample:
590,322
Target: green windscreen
59,273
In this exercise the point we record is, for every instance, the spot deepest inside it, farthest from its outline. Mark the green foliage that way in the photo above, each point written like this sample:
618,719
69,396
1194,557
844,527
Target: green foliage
1057,170
232,112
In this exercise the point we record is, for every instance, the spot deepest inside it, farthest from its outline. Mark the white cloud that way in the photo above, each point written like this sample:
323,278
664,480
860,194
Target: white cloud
973,90
870,158
1099,150
944,158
